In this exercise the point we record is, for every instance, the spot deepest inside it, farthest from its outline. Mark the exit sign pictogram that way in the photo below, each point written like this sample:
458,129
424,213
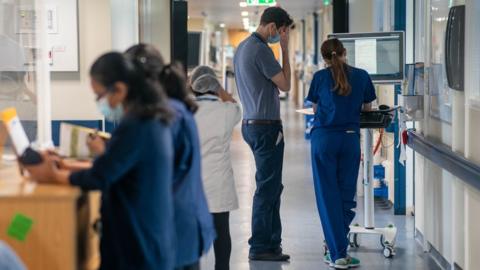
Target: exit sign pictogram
261,2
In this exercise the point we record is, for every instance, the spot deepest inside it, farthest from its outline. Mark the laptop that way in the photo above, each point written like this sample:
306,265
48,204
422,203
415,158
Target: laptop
21,145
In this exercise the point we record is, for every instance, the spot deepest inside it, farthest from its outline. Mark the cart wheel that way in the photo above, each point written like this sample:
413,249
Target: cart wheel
353,240
356,241
388,252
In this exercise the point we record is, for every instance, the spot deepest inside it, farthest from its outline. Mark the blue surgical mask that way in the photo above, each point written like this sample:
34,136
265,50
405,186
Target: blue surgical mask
111,114
274,39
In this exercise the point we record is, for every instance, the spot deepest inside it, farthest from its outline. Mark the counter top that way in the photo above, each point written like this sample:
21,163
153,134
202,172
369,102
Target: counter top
13,185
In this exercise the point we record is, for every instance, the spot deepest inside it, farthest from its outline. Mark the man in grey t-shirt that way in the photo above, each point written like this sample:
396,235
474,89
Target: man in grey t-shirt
259,79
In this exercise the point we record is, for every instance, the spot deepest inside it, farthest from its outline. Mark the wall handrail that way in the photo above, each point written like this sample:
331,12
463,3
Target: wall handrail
444,157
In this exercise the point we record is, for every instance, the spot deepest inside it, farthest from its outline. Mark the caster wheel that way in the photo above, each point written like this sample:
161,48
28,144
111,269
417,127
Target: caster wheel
383,242
354,240
388,252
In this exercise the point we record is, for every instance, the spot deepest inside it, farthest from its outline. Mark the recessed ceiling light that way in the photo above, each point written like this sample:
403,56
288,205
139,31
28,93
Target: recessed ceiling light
244,13
243,4
222,25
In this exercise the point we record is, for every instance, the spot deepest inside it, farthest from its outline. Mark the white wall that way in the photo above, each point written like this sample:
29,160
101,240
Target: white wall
72,97
124,23
447,209
361,15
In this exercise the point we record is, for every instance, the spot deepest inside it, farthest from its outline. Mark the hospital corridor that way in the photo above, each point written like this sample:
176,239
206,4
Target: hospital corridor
302,229
239,134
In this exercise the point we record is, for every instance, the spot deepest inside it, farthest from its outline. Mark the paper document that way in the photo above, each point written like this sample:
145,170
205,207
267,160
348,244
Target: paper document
366,55
15,130
306,111
73,140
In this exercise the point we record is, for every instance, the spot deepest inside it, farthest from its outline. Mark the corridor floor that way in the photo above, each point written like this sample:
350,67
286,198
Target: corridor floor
302,233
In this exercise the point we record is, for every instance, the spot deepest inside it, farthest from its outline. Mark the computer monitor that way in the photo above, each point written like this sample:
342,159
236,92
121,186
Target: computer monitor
381,54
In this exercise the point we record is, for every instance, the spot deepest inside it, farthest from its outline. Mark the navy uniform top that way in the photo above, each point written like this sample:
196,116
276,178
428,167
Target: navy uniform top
255,65
335,112
194,226
135,175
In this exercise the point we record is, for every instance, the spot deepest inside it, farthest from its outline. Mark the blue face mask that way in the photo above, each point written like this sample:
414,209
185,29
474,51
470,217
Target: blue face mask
274,39
111,114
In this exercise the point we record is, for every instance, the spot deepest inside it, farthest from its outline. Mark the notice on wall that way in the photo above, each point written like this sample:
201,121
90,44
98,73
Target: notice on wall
366,55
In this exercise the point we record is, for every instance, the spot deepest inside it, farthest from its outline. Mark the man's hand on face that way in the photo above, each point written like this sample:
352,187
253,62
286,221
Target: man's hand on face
284,37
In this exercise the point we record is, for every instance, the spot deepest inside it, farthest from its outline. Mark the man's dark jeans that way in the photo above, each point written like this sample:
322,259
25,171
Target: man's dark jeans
267,144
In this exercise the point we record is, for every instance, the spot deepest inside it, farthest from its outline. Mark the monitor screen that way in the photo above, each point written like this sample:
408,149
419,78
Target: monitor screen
380,54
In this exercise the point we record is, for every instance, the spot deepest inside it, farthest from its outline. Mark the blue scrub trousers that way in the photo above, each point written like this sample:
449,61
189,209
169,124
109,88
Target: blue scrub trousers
335,164
268,149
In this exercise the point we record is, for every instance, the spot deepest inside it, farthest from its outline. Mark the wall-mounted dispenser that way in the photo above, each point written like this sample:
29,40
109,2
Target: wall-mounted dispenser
455,48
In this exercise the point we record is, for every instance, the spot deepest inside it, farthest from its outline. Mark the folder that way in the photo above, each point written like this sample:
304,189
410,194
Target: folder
73,140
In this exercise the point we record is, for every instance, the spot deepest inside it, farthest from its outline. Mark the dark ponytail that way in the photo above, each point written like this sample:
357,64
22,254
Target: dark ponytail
171,77
175,82
332,51
145,98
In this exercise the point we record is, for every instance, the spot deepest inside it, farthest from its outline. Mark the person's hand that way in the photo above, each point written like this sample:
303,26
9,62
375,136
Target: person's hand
45,171
284,38
225,96
96,144
75,165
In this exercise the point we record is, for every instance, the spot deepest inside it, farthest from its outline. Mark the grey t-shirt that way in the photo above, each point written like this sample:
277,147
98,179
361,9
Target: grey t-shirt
255,65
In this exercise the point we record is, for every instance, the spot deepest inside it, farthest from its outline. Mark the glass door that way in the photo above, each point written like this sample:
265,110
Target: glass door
18,57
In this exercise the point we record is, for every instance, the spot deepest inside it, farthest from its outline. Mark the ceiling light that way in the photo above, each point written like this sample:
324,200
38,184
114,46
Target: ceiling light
243,4
222,25
244,13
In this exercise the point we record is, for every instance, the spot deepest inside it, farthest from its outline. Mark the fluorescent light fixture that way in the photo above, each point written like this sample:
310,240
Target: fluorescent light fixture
222,25
243,4
244,13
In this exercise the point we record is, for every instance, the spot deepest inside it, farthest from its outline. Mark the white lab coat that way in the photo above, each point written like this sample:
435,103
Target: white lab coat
216,120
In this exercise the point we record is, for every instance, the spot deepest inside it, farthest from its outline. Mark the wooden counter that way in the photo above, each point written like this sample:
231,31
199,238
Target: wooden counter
62,235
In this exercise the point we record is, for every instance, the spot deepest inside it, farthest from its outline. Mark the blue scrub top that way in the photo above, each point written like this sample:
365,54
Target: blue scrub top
193,221
335,112
135,175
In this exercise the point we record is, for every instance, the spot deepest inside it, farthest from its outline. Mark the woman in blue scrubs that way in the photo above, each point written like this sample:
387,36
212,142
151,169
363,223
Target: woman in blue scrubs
135,171
195,231
339,93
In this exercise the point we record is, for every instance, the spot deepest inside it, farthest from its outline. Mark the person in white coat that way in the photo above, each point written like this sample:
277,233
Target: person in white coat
217,115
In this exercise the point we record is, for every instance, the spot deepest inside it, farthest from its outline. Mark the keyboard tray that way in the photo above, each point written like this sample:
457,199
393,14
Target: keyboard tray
375,119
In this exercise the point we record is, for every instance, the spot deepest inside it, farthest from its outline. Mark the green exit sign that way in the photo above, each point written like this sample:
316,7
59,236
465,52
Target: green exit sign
261,2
